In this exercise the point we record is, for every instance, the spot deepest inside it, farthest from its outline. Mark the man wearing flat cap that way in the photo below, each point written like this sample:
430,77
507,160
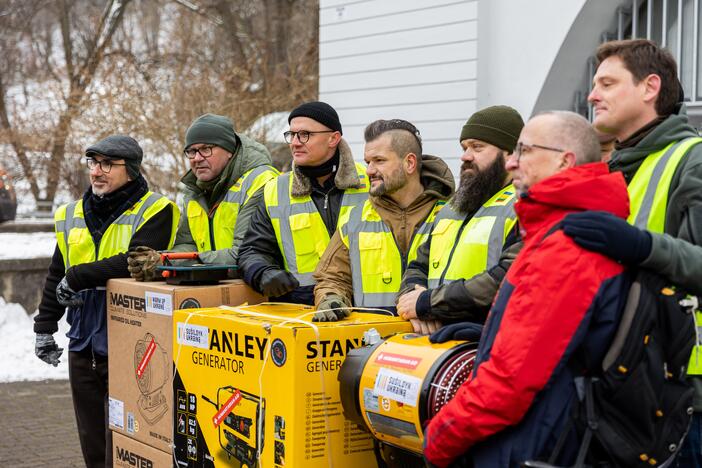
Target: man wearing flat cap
474,239
226,170
297,213
93,235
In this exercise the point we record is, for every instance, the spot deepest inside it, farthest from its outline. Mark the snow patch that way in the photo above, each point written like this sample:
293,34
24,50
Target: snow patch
27,245
19,361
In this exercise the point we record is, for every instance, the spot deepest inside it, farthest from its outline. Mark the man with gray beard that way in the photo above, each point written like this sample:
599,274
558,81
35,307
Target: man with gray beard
475,236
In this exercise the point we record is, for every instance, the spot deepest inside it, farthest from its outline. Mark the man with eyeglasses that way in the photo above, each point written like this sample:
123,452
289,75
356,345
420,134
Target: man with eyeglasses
475,238
637,98
298,212
116,213
367,255
557,297
226,170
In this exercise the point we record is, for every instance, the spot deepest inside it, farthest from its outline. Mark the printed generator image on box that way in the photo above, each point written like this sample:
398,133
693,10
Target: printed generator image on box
257,386
139,328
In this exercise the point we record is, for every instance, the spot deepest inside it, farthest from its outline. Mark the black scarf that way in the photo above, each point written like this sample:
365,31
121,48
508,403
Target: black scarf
100,212
326,168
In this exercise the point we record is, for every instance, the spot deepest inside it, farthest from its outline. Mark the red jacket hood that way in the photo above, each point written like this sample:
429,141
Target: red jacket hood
581,188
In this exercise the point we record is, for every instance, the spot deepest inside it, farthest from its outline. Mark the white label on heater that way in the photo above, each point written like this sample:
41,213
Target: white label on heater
193,335
158,303
397,386
117,413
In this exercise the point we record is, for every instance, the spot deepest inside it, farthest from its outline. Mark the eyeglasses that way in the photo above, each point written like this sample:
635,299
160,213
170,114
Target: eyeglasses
205,151
523,148
303,136
105,164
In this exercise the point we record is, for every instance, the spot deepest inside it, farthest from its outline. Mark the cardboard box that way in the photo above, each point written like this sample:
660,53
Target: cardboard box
128,453
259,379
139,328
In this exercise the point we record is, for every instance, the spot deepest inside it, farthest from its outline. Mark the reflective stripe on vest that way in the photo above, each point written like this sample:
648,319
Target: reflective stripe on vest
227,212
76,244
649,190
694,366
461,250
377,265
650,186
299,229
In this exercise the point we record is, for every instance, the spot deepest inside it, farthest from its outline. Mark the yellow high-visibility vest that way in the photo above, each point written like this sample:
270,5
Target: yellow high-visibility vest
76,244
299,229
460,249
377,265
223,222
649,190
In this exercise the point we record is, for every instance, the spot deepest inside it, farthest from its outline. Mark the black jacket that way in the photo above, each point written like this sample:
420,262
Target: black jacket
155,233
259,251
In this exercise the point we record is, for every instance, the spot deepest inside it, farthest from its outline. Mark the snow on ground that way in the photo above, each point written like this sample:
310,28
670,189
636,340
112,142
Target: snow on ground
18,359
26,245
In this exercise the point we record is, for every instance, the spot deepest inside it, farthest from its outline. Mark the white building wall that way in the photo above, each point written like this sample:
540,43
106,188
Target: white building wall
519,41
407,59
435,63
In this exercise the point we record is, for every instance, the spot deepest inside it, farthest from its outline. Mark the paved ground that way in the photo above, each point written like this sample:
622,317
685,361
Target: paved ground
38,425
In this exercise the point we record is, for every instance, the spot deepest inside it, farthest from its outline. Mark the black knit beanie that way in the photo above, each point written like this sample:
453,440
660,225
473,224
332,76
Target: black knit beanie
119,147
212,129
496,125
319,111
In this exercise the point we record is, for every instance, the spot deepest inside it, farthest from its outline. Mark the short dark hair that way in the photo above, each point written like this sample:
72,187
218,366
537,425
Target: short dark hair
404,137
643,57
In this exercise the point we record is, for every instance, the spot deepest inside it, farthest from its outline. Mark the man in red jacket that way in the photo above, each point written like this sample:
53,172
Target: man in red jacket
556,298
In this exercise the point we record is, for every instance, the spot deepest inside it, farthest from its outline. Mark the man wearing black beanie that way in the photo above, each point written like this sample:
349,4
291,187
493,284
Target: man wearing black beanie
93,234
298,212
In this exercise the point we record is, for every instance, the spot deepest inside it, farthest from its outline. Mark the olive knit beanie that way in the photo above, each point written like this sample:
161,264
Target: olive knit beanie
212,129
496,125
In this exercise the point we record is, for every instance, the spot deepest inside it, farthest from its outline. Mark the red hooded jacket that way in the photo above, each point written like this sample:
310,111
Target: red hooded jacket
557,297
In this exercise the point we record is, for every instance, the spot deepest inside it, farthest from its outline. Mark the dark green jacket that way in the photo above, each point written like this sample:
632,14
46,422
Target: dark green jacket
249,154
676,254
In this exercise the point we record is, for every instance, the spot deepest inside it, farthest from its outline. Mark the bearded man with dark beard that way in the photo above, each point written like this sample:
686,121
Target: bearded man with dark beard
475,237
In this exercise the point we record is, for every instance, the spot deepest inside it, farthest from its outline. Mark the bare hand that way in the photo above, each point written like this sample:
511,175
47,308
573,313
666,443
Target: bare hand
407,303
422,327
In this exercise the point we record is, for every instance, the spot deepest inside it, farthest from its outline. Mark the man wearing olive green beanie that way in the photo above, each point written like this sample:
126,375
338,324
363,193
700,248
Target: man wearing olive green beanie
226,170
475,238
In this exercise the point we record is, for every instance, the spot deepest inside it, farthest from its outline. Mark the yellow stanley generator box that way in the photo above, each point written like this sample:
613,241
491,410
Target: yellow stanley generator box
129,453
257,386
139,328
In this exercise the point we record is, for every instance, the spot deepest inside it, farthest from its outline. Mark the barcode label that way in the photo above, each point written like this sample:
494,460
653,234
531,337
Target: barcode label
397,386
130,423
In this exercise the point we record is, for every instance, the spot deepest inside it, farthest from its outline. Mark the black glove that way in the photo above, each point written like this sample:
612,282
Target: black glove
275,283
46,349
467,331
66,296
607,234
330,309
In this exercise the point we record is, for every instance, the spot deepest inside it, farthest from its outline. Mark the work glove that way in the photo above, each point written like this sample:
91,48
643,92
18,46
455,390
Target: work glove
275,283
330,309
467,331
142,262
66,296
607,234
46,349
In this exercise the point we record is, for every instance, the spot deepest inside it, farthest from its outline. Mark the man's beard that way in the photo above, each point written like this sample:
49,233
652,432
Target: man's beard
390,183
477,188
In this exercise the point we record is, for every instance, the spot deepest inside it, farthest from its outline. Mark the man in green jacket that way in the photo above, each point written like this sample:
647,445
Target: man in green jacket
226,170
637,97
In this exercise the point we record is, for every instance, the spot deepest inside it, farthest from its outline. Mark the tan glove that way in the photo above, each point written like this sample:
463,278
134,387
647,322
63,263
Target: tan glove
330,309
142,263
